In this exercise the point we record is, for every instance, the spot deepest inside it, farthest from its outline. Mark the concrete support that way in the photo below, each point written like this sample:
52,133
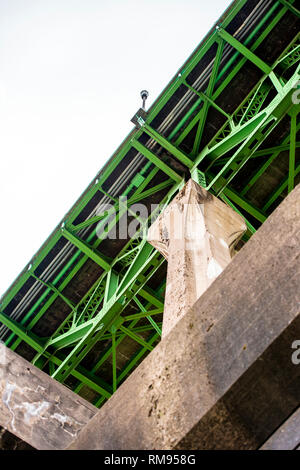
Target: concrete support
287,437
196,234
223,378
37,408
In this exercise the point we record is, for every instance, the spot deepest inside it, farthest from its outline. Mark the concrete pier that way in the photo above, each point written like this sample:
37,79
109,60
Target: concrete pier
196,234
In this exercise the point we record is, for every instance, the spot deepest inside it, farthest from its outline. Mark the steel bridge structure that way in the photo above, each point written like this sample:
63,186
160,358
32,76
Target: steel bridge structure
88,307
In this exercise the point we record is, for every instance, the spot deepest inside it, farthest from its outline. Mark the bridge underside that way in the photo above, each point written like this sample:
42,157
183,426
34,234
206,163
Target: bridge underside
88,308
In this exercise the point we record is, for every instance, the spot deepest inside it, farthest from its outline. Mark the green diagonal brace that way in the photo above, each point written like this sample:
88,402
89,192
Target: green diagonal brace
135,316
27,336
207,99
251,56
168,146
54,289
156,160
244,51
82,246
290,7
110,311
135,337
86,378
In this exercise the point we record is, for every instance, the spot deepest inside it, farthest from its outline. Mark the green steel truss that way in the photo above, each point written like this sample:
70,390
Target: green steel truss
101,315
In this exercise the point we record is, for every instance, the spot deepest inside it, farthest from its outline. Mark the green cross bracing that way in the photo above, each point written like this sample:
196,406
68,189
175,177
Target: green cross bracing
88,308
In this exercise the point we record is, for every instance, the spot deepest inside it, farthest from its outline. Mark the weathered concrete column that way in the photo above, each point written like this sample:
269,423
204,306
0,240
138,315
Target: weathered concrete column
196,234
35,407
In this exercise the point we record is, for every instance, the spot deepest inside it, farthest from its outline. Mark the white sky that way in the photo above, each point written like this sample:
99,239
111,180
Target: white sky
71,74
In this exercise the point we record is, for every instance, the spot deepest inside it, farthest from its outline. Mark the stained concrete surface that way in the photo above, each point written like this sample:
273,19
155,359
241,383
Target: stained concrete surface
35,407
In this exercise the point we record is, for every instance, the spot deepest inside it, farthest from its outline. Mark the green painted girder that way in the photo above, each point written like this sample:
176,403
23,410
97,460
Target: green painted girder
291,7
94,219
291,54
76,268
156,326
264,33
23,333
265,165
239,200
260,153
68,335
137,329
85,309
86,249
34,319
105,356
244,51
149,317
111,285
54,289
149,192
204,110
135,337
279,106
196,56
138,196
156,161
268,151
244,204
236,137
270,117
143,314
167,145
151,297
74,334
208,93
228,137
86,378
265,68
207,100
254,105
111,310
279,190
119,338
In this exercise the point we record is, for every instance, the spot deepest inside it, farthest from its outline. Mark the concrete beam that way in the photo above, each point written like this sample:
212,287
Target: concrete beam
196,233
35,407
287,437
223,378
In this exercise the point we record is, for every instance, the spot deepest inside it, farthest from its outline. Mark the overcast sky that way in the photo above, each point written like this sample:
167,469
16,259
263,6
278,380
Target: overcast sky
71,74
